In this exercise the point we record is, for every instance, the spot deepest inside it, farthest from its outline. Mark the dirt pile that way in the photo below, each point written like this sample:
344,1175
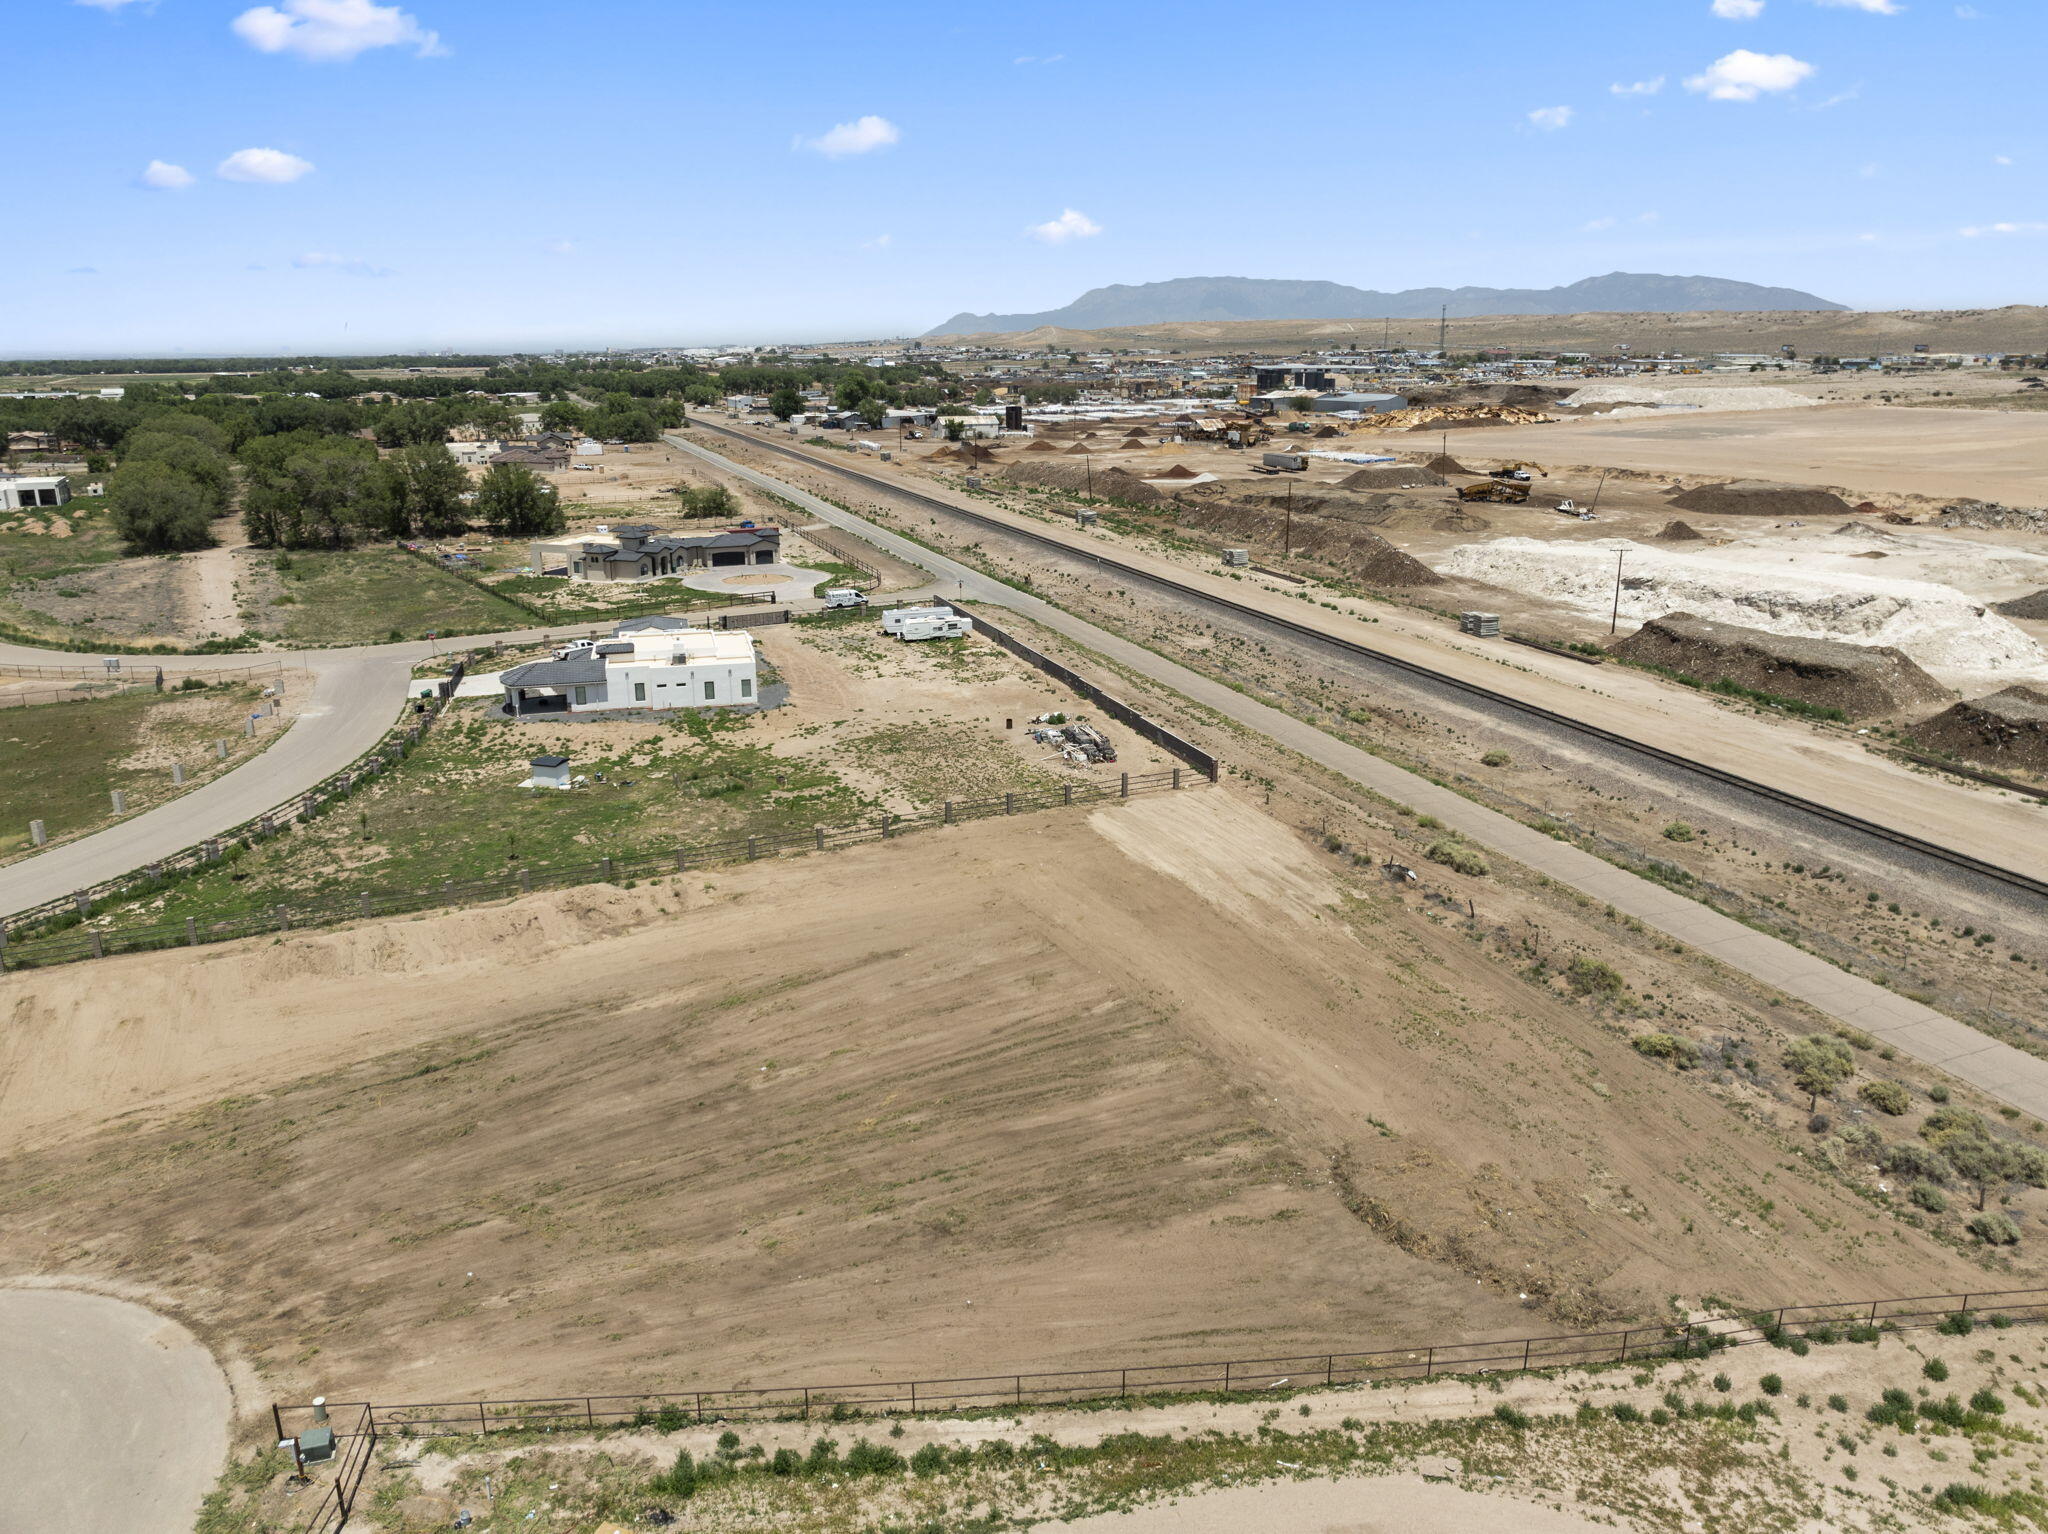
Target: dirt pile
1863,681
1676,531
1109,484
1433,417
1178,471
1041,446
1391,476
2007,729
2032,605
1444,463
1761,498
1346,544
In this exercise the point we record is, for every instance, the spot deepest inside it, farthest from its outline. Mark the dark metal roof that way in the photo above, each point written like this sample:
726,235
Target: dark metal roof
555,673
549,761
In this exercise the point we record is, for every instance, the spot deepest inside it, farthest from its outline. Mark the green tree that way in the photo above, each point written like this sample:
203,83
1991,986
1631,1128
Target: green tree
710,501
564,415
850,391
873,411
1819,1063
784,403
1988,1163
185,423
188,456
518,504
159,509
430,485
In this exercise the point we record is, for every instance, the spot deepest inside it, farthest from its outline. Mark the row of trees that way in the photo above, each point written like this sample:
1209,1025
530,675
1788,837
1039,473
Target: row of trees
306,492
175,478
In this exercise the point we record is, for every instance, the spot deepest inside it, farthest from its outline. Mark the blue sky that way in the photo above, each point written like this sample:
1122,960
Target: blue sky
209,176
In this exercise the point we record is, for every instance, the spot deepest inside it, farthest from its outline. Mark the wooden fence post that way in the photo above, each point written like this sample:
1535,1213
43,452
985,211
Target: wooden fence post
1176,777
526,881
191,930
98,951
284,919
1125,791
1009,804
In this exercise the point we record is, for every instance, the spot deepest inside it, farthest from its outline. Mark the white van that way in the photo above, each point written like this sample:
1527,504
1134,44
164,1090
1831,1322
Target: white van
845,596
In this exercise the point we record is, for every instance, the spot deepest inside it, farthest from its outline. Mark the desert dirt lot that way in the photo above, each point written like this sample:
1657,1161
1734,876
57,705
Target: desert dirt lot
1156,1081
1869,449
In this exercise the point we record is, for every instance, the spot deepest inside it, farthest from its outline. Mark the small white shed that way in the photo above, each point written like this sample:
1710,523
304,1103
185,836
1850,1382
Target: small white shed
548,772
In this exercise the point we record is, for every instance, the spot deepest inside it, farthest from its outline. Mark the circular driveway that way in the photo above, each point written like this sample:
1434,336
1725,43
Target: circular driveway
113,1419
743,580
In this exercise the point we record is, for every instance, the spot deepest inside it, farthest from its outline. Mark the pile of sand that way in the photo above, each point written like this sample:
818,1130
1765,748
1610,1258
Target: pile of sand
1178,471
2032,605
1397,476
1345,545
1108,484
1938,626
1041,446
1680,532
1444,463
2007,729
1761,498
1756,397
1863,681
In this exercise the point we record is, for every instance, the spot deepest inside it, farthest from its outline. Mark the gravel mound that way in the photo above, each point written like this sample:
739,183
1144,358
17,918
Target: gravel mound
2007,729
1990,514
1761,498
1863,681
1108,484
1681,532
1444,463
2033,605
1938,626
1399,476
1346,545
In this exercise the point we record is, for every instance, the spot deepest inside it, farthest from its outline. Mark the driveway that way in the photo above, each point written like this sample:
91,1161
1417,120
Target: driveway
113,1420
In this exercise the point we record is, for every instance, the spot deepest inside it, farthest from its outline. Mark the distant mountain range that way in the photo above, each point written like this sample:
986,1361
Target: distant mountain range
1264,298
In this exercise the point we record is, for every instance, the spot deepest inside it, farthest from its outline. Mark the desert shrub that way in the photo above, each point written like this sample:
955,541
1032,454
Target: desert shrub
997,1451
1885,1097
728,1443
1495,759
1589,977
680,1479
1518,1420
1723,1383
1994,1229
866,1458
1945,1124
1771,1385
671,1418
1679,831
1957,1324
1909,1160
786,1462
1935,1369
1455,855
1623,1412
929,1460
1838,1403
1949,1412
1659,1417
1682,1053
1928,1197
1862,1140
1855,1038
1896,1409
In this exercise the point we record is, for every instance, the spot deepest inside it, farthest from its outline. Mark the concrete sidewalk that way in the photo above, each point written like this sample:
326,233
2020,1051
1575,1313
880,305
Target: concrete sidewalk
2009,1074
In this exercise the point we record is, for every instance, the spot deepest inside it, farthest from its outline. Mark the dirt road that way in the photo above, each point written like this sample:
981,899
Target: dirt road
1373,1505
206,585
113,1420
1870,449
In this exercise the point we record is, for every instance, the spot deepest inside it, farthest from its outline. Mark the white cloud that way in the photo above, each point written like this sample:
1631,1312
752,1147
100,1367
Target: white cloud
879,242
1967,13
1978,231
1648,87
1550,119
1868,239
1743,75
560,247
333,31
861,136
1738,10
1070,225
166,177
1875,7
355,267
104,5
273,166
1593,224
2001,159
1648,218
1871,171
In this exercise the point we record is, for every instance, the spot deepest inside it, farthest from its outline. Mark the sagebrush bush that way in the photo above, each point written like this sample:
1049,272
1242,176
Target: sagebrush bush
1885,1096
1456,855
1994,1230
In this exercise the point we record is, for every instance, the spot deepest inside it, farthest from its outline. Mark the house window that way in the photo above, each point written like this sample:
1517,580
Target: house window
746,687
710,691
582,695
639,692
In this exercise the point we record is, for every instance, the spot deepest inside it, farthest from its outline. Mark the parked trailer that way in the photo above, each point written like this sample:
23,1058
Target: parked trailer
893,618
948,626
1295,462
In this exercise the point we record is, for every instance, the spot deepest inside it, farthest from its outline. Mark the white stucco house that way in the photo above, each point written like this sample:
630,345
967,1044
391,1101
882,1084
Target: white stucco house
649,663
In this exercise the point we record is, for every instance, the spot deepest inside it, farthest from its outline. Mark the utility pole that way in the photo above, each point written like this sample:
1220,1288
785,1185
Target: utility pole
1596,491
1443,331
1287,532
1088,463
1614,619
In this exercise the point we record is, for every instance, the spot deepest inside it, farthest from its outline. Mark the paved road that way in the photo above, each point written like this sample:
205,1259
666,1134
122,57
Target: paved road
113,1420
2006,1073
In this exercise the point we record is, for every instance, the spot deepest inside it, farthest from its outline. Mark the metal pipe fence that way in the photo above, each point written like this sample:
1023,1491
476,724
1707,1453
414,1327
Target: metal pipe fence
77,943
672,1409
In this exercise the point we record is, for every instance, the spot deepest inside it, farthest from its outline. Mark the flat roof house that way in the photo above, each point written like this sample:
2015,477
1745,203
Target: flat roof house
25,492
642,553
641,668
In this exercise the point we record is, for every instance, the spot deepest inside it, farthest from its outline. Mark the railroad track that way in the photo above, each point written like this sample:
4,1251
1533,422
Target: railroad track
1488,697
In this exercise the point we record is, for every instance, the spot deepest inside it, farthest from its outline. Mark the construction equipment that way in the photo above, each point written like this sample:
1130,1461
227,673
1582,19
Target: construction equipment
1499,491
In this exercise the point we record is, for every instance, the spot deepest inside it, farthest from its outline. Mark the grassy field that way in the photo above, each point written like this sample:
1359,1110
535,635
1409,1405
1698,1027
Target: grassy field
454,809
369,596
65,759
